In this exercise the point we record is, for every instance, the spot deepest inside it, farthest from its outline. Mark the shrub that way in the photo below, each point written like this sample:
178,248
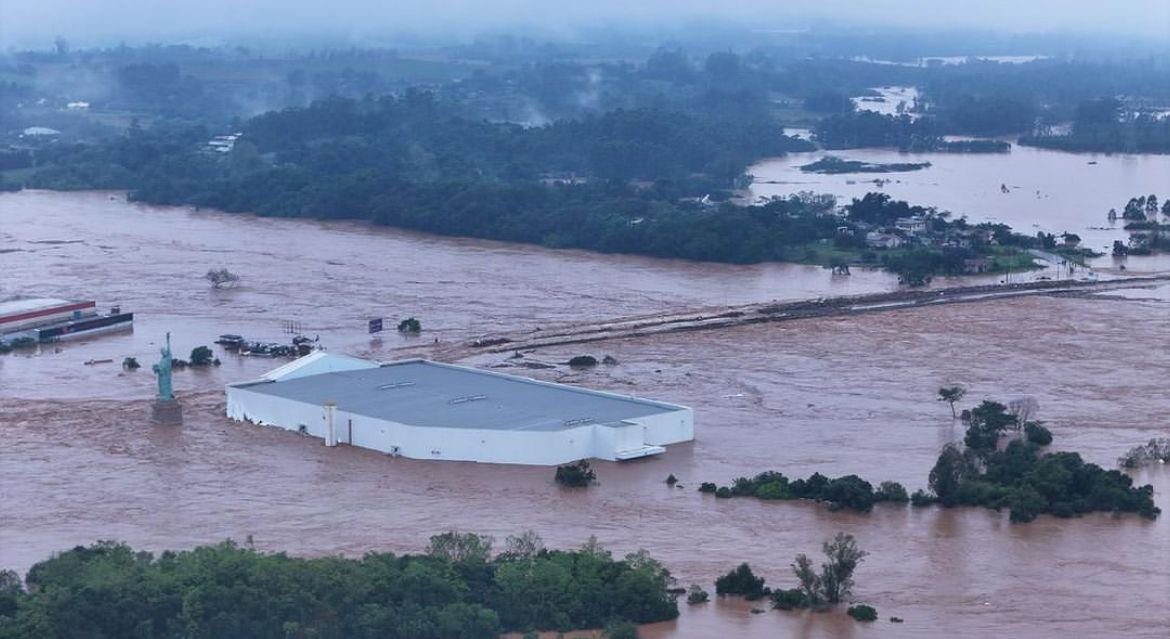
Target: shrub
409,325
201,356
922,498
583,361
790,599
1156,450
742,486
1037,434
707,487
773,490
741,581
220,278
620,630
696,595
849,491
723,492
576,475
862,612
892,491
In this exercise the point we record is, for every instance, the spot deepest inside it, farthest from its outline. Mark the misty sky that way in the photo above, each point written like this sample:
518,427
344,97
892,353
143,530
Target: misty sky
36,22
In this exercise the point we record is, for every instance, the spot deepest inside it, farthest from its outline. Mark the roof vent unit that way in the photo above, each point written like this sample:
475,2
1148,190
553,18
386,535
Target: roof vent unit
394,385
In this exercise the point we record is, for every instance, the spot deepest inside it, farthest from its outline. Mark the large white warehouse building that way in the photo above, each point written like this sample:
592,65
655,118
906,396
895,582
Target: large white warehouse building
427,410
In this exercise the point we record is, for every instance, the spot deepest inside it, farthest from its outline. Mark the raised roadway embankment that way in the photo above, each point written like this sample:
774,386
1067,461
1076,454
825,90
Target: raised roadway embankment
729,316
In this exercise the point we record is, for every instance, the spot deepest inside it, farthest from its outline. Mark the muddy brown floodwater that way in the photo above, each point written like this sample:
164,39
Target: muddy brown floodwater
79,461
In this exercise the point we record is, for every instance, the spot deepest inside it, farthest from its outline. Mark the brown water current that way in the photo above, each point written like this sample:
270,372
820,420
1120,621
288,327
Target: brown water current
79,460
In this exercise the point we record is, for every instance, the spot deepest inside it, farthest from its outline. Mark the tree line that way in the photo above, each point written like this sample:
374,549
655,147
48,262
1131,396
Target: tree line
457,589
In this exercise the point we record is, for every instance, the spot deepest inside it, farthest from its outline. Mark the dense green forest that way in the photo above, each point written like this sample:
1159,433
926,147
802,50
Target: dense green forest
419,139
456,590
644,182
564,147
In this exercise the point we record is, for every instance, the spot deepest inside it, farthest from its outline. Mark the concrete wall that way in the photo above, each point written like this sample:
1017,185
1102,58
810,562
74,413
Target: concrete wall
670,427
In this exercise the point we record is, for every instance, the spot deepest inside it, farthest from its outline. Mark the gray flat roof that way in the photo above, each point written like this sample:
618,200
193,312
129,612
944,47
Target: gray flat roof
424,393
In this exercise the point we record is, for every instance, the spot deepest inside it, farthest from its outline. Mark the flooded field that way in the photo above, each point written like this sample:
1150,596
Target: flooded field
80,462
891,98
1050,191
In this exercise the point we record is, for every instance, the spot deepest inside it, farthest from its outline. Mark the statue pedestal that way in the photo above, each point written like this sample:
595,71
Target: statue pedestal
166,412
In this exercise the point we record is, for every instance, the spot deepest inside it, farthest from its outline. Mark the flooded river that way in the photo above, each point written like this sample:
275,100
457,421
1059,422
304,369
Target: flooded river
1050,191
80,462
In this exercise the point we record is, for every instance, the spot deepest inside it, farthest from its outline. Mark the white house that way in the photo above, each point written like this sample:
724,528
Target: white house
428,410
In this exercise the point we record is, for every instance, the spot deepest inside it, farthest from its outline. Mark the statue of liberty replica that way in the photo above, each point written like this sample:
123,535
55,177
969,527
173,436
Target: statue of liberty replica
166,409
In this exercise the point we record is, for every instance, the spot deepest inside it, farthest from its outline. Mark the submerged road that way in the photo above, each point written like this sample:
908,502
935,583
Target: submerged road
729,316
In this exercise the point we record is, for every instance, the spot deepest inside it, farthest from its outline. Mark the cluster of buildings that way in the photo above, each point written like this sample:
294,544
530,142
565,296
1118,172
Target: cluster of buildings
39,320
223,143
916,231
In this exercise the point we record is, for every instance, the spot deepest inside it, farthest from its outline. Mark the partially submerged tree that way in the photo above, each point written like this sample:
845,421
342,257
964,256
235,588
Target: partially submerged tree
1036,433
835,580
1155,451
949,472
950,395
221,278
409,325
837,575
986,423
741,581
696,595
526,545
460,547
201,356
576,475
862,612
583,361
1023,409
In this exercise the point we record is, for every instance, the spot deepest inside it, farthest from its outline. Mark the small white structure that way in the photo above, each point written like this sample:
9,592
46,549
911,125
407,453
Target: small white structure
877,239
428,410
223,143
912,225
39,132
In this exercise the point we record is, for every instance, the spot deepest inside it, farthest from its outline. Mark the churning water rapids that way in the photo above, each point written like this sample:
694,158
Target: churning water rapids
80,462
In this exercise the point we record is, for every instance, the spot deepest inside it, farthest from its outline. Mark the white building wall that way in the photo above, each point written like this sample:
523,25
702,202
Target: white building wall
464,444
670,427
275,411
